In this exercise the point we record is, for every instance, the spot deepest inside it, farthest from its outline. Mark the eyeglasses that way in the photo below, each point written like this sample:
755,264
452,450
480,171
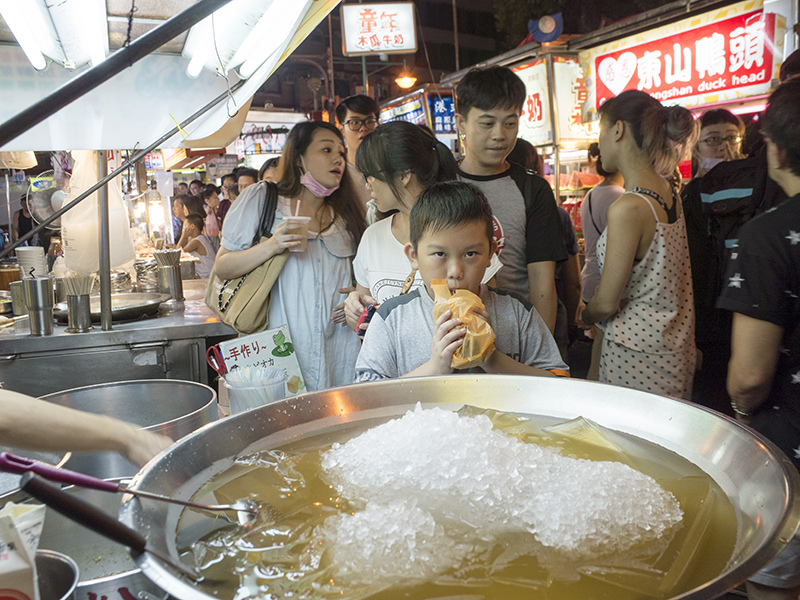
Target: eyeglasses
357,124
716,141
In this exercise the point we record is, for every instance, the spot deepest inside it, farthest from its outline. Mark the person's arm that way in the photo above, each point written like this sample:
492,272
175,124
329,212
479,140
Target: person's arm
27,422
542,290
231,264
195,246
184,239
571,277
755,349
15,226
501,363
625,226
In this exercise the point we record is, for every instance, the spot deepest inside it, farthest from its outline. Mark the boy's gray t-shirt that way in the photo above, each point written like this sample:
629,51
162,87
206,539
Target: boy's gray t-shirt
400,335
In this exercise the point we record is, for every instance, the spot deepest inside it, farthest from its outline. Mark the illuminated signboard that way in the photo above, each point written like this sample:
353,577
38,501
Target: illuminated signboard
443,113
570,92
386,28
411,110
726,54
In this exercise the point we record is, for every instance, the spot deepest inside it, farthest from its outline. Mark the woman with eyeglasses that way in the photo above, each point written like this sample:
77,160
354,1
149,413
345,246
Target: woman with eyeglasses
721,135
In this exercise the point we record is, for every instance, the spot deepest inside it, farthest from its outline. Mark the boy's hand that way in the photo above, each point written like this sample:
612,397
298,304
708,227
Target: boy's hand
448,335
481,312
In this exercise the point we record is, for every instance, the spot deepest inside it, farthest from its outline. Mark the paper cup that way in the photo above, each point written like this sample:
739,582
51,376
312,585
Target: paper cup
245,398
298,226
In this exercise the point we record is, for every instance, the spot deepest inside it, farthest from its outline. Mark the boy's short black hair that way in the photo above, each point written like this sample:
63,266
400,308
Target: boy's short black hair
781,121
197,221
449,204
363,105
488,88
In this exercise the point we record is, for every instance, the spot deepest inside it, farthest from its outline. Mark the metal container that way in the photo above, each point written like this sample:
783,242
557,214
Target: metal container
79,316
39,296
106,568
761,483
124,307
172,408
18,299
57,575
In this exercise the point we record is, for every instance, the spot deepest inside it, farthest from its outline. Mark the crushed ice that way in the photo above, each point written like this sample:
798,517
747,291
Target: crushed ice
432,479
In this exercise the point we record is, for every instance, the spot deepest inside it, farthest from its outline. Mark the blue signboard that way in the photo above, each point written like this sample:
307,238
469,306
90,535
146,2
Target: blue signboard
442,111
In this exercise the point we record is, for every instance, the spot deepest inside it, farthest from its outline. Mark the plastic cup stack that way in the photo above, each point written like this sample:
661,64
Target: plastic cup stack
250,387
31,261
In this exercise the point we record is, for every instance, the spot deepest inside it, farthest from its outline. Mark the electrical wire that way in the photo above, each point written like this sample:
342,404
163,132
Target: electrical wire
130,24
221,70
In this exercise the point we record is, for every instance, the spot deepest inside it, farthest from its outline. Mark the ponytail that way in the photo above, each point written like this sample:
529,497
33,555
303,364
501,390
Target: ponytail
663,133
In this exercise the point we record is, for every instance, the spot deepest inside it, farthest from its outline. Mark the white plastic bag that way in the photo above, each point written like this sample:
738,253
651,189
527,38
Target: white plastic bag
80,227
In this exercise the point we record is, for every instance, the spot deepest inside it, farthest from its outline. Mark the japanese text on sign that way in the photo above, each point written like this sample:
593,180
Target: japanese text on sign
378,28
725,55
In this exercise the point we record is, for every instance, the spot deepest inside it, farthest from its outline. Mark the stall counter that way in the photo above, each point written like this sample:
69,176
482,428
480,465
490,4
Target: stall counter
164,347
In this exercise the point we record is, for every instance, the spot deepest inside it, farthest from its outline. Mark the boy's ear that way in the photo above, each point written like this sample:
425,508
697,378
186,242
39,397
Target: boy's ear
411,254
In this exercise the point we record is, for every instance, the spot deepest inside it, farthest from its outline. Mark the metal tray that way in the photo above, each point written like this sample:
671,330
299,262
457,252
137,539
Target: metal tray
124,307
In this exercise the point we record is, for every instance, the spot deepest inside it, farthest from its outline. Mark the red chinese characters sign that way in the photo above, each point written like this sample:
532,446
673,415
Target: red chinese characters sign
724,55
729,54
386,28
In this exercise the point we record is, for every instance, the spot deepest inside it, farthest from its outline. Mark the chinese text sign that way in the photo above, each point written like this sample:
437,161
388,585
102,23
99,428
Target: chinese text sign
386,28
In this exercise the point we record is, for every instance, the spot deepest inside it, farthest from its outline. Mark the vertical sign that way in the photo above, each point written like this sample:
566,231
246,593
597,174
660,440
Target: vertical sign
534,122
386,28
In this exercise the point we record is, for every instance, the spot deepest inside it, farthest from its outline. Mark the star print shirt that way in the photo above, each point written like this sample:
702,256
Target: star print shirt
763,282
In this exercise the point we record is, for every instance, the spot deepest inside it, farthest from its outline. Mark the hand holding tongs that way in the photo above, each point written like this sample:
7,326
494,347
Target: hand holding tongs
246,509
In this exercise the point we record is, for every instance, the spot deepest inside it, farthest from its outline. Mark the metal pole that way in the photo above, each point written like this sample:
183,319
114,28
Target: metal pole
8,204
551,85
364,71
116,62
134,159
331,87
455,34
105,248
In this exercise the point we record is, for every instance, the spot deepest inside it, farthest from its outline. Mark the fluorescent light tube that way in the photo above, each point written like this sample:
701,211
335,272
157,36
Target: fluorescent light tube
22,23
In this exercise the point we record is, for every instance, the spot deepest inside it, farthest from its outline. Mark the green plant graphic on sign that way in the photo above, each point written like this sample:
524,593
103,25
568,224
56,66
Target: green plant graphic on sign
282,347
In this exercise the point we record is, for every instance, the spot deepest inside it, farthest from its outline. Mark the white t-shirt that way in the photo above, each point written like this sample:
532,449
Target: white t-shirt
381,264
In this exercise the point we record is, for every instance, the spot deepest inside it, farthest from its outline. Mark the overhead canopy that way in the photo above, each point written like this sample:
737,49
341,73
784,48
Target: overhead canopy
143,102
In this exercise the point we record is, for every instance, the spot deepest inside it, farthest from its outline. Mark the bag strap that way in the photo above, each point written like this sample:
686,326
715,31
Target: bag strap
268,212
591,214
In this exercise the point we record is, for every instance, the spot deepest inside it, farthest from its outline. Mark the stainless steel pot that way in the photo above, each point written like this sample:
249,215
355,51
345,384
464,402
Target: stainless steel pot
170,407
106,568
759,480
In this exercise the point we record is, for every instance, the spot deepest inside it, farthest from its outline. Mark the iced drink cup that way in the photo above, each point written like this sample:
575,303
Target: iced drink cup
298,226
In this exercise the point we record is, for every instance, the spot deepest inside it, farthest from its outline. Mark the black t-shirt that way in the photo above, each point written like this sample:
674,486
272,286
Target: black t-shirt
763,282
528,230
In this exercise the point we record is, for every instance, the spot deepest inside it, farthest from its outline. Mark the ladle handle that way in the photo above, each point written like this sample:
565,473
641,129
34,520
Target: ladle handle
10,463
82,513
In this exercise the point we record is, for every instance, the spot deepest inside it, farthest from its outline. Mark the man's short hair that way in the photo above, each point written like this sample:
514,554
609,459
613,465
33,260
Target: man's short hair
363,105
230,176
488,88
790,67
782,121
248,173
449,204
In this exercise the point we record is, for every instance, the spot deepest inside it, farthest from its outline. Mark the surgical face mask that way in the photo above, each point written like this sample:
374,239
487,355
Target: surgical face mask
709,163
315,187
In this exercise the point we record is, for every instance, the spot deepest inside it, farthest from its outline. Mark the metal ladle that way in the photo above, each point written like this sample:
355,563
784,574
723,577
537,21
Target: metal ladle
247,510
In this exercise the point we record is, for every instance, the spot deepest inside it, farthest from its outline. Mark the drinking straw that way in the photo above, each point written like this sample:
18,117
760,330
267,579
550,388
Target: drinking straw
254,385
297,208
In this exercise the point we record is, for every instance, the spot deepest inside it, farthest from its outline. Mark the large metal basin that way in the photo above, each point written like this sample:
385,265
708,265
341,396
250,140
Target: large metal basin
759,480
170,407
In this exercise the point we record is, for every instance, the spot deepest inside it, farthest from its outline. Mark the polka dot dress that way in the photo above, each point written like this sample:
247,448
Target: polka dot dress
649,344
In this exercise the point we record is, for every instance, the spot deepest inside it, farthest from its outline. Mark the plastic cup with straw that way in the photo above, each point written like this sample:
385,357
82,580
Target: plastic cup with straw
299,226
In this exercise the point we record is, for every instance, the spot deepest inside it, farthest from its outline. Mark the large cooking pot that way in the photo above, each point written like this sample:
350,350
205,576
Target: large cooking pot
169,407
759,480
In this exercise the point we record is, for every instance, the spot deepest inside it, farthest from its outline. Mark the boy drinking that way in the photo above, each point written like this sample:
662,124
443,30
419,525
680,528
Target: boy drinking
451,238
528,228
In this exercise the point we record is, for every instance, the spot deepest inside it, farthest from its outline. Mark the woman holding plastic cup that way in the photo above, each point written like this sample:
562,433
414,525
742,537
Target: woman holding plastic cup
318,222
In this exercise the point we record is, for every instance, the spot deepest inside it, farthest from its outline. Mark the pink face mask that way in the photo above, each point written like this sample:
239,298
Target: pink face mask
315,187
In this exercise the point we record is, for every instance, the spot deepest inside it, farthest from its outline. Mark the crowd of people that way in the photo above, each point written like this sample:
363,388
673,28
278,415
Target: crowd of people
391,212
